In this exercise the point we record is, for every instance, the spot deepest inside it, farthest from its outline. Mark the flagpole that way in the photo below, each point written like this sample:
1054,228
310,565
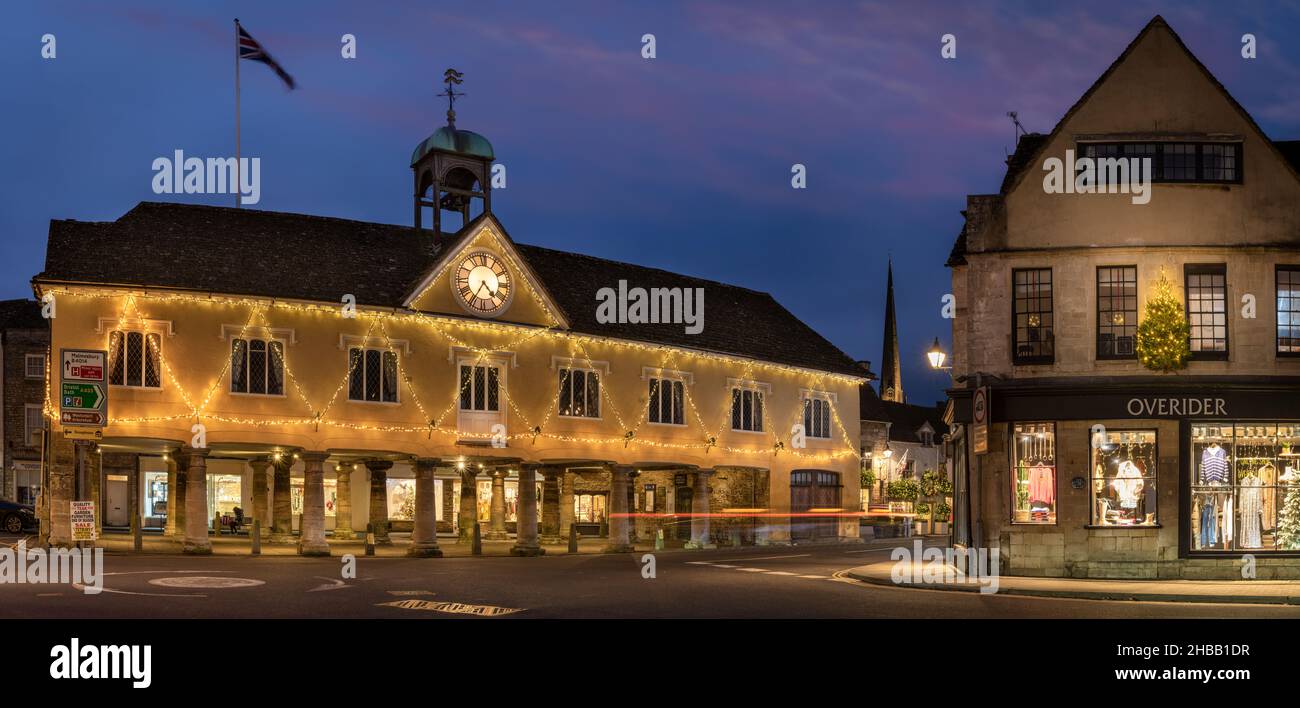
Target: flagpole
238,186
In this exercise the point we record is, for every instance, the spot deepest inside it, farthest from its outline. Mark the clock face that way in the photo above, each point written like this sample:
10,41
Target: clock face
483,284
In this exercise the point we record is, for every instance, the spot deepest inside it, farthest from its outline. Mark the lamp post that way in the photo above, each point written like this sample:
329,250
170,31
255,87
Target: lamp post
937,356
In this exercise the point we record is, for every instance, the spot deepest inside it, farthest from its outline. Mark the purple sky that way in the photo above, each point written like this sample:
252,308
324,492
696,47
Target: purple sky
681,162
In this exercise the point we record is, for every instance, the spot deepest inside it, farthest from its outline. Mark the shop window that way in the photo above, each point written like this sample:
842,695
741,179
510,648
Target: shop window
1123,471
1288,310
1032,332
155,497
257,366
1117,312
372,375
1245,483
1033,495
579,393
589,508
134,359
666,399
1207,310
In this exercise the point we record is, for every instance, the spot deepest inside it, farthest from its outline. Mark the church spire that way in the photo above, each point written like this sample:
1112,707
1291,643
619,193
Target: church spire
891,375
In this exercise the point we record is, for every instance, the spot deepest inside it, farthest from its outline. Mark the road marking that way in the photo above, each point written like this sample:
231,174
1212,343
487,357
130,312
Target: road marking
814,577
452,608
409,593
330,584
780,572
206,582
752,570
755,558
721,565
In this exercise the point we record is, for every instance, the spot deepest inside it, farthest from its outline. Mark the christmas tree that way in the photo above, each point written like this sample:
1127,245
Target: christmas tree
1288,527
1162,334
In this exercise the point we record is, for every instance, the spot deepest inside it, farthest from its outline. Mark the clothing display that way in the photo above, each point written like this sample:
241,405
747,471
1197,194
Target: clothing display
1209,534
1042,485
1251,512
1128,484
1214,465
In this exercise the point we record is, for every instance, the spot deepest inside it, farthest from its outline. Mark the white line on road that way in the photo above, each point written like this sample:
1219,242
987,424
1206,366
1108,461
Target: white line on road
755,558
752,570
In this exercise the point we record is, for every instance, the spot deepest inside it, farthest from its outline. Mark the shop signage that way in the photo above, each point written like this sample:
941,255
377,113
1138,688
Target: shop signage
1163,407
980,420
83,391
83,520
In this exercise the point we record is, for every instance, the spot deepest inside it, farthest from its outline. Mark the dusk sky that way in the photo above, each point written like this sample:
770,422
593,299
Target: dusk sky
680,162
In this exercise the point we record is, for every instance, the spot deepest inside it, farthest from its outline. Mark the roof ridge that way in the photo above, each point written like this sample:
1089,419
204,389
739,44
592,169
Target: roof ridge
644,267
245,210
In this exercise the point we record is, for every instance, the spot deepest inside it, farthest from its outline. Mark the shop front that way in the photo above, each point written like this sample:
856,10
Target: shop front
1137,477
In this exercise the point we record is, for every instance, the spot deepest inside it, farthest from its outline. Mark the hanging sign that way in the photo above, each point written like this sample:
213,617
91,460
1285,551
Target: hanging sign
83,390
980,420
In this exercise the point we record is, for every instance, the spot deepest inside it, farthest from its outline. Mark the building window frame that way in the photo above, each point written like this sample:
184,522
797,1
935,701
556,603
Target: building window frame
678,382
1038,335
568,382
272,356
147,375
28,431
756,394
1045,451
818,425
1292,310
1161,158
388,367
1200,270
39,371
478,392
1116,344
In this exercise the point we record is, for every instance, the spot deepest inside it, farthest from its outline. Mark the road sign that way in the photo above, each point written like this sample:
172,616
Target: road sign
83,391
74,433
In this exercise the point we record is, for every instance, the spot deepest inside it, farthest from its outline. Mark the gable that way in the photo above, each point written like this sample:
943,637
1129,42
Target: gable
484,245
1156,90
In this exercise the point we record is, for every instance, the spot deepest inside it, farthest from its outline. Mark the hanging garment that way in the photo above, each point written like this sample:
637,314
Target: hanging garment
1251,505
1268,478
1128,484
1214,465
1042,485
1227,521
1209,536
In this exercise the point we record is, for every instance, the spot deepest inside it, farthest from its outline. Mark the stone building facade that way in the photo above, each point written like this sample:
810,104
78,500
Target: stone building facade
324,375
24,341
1096,466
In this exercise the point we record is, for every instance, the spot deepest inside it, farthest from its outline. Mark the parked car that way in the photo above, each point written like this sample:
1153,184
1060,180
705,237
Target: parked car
15,518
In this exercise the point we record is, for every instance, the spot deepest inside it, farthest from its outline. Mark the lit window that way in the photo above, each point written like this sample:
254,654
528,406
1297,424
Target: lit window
1032,333
1033,491
579,393
257,366
372,375
747,409
1117,312
1123,472
666,400
1288,310
817,416
480,388
134,359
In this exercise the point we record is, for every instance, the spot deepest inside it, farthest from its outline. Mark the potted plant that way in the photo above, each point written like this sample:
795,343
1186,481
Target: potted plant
922,518
942,514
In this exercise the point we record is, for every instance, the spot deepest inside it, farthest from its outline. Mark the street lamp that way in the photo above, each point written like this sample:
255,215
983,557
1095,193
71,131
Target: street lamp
937,356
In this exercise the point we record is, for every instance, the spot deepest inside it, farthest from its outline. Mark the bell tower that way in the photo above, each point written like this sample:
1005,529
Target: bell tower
452,167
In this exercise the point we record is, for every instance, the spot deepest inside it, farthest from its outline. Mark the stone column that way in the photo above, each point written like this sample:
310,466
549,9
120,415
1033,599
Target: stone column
618,521
631,506
261,505
343,505
282,503
57,496
526,535
379,499
312,536
182,464
700,511
566,503
424,533
468,505
550,526
497,526
196,501
174,497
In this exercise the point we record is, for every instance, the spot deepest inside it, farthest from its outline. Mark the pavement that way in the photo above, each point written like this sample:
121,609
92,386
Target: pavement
153,543
1252,592
739,583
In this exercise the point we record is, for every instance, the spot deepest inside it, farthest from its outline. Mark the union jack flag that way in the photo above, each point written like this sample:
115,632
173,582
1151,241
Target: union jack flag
249,48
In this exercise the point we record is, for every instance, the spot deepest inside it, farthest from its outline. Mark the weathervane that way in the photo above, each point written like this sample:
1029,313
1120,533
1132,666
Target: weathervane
451,77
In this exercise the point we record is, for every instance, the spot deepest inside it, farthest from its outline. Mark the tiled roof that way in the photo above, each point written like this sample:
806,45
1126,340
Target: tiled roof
21,314
869,404
905,419
274,254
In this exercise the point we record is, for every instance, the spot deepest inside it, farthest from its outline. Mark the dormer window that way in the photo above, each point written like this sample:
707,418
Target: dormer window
1173,162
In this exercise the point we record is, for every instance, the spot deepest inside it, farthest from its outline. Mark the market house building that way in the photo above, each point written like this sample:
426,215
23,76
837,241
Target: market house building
472,382
1096,466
